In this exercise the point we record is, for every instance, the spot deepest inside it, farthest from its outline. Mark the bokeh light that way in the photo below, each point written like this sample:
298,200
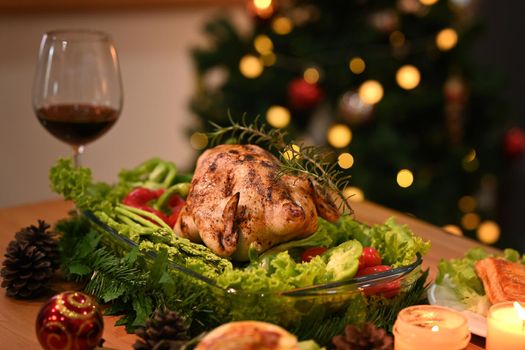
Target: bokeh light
278,116
488,232
371,91
428,2
408,77
292,152
470,162
250,66
262,4
269,59
470,221
453,230
282,25
345,160
397,39
446,39
467,204
198,140
357,65
339,135
405,178
354,194
263,44
311,75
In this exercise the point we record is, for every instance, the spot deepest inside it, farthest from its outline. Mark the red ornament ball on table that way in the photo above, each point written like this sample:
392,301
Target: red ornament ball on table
514,142
69,321
303,95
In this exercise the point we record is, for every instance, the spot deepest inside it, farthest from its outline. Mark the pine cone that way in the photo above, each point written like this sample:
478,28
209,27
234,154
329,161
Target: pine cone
26,270
367,337
42,238
164,330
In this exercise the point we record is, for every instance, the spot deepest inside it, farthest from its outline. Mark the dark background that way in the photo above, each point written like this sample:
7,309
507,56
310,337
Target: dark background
502,48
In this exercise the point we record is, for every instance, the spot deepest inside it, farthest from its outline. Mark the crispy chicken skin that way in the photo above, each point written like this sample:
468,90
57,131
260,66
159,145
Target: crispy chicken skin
236,200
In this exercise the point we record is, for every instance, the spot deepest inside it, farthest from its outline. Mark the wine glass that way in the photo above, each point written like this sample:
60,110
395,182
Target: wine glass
77,90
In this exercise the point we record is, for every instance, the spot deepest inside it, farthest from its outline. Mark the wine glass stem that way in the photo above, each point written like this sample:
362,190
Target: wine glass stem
77,155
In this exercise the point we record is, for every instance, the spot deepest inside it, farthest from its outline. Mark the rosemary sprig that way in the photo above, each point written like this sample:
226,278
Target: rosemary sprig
296,158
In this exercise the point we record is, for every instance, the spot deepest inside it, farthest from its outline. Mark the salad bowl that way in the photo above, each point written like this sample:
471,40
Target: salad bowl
302,310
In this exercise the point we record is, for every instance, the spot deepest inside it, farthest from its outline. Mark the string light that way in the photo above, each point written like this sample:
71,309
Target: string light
371,91
278,116
428,2
263,44
354,194
488,232
345,160
250,66
408,77
261,8
339,135
282,25
311,75
470,221
198,140
405,178
397,39
446,39
453,230
262,4
467,204
269,59
357,65
292,152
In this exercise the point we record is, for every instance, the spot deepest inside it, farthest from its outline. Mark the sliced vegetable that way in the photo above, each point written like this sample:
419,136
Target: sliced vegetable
342,261
310,253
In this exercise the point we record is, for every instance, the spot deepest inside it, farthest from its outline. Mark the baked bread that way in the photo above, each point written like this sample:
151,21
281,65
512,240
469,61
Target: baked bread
248,335
503,280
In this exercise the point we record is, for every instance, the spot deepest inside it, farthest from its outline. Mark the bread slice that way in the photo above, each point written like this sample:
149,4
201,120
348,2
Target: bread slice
248,335
503,280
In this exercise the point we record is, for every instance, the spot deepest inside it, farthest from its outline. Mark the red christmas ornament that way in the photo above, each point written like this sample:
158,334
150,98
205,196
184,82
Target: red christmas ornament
69,321
303,95
514,142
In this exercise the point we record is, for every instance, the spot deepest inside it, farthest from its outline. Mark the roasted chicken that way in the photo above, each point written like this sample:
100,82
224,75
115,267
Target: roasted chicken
237,201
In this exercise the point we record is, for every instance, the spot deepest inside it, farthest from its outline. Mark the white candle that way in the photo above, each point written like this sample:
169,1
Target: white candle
506,329
430,327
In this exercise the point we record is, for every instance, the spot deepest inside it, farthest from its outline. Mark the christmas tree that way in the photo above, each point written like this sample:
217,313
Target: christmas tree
389,85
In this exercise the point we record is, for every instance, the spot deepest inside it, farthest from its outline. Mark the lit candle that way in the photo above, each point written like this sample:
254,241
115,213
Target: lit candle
506,327
430,327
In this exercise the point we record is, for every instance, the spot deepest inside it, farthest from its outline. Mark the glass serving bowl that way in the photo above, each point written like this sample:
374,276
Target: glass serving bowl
311,313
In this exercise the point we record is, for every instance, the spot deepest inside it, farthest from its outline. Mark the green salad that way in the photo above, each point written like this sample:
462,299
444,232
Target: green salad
459,276
142,206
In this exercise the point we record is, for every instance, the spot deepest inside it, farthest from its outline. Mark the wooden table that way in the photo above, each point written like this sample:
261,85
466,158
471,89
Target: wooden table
17,318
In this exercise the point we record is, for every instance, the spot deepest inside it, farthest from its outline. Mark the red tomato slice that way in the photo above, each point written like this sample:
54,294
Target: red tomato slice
310,253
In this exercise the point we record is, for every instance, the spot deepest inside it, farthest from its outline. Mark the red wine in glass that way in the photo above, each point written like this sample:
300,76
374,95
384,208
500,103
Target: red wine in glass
77,91
77,124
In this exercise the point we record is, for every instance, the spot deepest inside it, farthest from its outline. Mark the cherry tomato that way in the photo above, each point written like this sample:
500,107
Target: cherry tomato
369,257
310,253
176,203
388,289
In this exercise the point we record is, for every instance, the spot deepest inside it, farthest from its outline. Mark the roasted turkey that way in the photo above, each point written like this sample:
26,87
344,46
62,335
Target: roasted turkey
237,200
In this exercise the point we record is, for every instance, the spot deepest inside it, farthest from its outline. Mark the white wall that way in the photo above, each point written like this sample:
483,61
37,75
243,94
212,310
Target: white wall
158,78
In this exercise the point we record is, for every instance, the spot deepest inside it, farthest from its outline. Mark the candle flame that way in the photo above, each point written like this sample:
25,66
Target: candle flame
520,310
435,328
